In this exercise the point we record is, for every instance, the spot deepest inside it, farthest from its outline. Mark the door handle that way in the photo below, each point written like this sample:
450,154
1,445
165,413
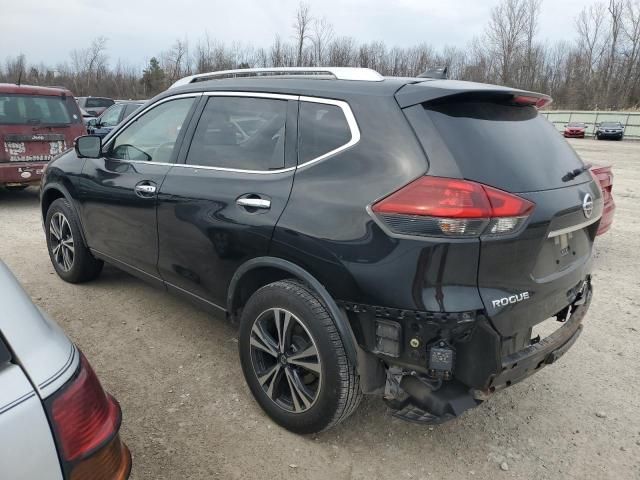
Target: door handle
145,189
261,203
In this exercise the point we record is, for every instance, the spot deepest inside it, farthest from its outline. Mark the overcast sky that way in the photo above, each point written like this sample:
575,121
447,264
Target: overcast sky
139,29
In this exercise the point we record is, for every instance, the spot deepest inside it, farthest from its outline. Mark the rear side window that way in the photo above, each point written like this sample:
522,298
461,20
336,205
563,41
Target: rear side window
322,129
506,146
241,133
34,110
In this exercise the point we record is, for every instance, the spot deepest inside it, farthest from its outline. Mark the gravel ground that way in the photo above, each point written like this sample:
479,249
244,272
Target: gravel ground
188,413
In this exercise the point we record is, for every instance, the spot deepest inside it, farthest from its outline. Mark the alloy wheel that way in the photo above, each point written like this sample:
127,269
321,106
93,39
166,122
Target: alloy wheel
61,241
285,360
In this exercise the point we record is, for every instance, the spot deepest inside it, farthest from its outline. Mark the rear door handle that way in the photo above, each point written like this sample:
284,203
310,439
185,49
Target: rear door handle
261,203
145,189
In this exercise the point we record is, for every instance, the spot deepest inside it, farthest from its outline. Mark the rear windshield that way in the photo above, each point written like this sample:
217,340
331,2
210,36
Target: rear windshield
509,147
99,102
37,109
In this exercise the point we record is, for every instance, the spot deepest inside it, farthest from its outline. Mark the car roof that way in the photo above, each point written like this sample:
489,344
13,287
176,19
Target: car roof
407,90
33,90
298,86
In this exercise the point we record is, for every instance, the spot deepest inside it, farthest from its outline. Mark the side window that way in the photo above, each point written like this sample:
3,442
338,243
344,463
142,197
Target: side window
152,137
240,132
111,116
131,107
321,129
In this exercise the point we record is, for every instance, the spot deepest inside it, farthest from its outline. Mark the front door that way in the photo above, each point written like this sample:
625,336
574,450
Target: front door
219,206
118,192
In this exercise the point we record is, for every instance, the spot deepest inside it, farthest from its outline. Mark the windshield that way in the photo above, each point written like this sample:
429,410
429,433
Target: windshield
33,110
610,125
576,124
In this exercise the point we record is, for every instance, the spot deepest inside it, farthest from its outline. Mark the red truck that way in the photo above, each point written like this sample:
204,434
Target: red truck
36,124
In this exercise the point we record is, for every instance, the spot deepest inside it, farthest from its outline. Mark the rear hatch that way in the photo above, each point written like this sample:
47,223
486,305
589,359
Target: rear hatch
36,128
497,138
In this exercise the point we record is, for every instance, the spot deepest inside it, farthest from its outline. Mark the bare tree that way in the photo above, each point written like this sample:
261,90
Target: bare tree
506,33
321,36
302,28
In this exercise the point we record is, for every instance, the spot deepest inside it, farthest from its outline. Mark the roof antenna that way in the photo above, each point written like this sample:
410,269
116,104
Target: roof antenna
435,72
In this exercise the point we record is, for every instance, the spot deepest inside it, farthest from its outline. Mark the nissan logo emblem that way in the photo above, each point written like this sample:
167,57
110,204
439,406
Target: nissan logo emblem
587,205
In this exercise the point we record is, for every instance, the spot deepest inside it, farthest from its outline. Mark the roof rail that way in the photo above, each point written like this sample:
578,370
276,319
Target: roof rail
338,73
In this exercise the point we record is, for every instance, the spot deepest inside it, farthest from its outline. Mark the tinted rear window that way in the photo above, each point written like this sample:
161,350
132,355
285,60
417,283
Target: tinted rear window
98,103
509,147
35,110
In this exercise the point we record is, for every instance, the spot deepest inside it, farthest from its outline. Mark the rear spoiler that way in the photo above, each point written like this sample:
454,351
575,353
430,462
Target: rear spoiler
429,90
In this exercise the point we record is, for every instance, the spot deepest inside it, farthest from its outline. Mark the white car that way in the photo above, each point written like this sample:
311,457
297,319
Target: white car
56,421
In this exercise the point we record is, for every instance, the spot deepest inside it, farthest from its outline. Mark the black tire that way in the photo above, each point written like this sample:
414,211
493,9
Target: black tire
338,388
15,188
81,265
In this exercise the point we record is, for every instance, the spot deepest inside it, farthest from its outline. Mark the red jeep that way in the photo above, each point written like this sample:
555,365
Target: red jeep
36,124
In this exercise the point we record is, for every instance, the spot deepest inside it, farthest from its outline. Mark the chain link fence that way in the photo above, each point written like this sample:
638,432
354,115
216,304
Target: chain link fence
630,120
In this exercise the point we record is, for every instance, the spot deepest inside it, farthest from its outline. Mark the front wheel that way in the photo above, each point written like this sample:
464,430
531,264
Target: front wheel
294,361
70,257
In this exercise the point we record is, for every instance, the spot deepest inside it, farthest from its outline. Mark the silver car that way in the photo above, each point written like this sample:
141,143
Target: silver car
56,421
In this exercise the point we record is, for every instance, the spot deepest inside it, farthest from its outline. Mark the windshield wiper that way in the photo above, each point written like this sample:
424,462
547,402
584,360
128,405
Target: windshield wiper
574,173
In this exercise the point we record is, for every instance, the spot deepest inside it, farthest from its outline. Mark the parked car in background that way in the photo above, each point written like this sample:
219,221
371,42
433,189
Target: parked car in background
613,130
418,247
36,124
604,175
575,129
112,116
56,421
95,105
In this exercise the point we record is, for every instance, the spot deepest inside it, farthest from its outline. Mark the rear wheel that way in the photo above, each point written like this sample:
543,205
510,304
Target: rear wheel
294,361
70,257
15,188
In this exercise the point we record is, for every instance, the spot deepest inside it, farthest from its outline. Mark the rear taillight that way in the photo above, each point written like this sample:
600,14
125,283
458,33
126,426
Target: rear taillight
86,421
437,206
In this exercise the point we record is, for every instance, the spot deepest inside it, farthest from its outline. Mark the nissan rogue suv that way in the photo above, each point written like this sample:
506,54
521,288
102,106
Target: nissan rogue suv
403,237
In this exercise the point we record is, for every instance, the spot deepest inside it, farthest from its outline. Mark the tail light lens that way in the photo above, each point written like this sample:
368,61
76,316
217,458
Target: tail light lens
437,206
86,421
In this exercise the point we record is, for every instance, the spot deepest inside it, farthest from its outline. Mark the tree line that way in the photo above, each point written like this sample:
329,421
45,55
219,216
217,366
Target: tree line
597,67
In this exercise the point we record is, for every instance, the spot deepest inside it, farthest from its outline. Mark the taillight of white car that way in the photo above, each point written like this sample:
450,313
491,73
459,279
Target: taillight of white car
86,421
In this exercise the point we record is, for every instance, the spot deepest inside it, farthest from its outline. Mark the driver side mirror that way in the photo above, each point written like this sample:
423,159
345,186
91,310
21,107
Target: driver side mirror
93,122
88,146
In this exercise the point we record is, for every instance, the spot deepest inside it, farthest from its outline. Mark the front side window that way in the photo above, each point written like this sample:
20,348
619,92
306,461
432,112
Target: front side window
241,133
322,129
152,137
111,116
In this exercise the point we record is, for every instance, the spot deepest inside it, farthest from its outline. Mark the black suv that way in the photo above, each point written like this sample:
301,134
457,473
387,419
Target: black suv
394,236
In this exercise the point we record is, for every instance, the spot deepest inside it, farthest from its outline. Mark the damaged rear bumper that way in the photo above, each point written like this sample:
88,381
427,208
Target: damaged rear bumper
480,368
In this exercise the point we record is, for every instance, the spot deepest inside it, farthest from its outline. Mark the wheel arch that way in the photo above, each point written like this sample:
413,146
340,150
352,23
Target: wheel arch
260,271
52,192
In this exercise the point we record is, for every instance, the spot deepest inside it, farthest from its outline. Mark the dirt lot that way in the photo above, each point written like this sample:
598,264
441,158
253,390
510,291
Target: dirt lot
188,413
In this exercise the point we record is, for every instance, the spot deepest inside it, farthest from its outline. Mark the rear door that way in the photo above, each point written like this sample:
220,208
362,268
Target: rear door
220,206
118,194
532,274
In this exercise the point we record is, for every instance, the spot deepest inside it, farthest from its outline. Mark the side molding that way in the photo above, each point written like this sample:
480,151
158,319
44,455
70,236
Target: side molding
342,324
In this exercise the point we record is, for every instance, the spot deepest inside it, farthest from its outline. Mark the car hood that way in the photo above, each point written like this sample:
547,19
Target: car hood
37,343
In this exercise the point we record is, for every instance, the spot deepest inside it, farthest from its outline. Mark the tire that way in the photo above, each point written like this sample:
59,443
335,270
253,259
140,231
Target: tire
72,260
15,188
329,382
